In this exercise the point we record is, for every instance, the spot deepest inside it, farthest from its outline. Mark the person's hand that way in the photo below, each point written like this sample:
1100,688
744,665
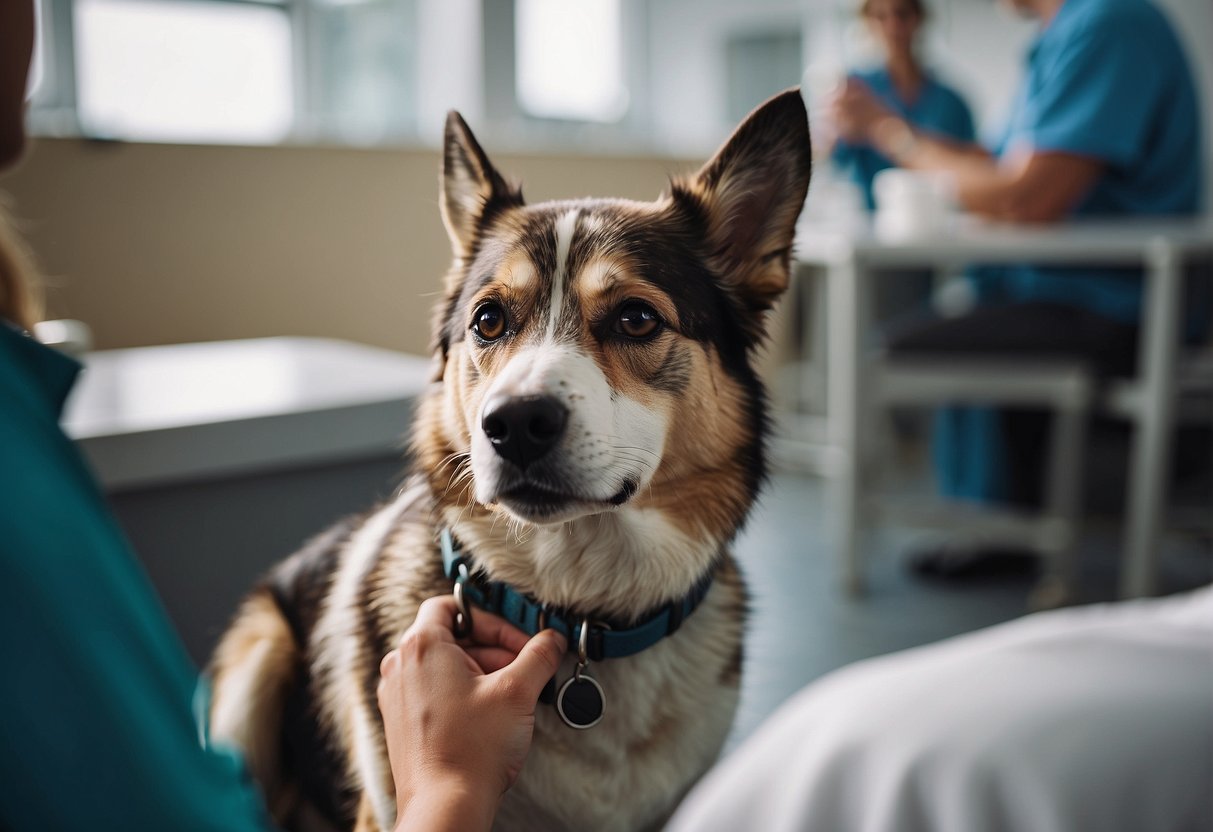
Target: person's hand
854,109
459,717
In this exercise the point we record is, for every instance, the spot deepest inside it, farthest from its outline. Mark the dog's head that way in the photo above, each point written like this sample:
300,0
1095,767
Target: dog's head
596,354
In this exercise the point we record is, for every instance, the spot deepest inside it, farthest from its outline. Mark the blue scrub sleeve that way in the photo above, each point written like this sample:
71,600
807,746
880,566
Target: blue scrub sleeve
1095,99
964,127
96,729
842,153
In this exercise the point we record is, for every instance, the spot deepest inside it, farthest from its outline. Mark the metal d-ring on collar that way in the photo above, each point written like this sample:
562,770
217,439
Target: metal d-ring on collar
463,614
580,701
583,653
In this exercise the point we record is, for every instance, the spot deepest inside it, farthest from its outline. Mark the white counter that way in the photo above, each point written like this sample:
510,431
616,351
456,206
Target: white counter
158,415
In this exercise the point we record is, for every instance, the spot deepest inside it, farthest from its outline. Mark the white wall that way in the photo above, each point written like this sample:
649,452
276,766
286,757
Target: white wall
687,65
979,47
449,64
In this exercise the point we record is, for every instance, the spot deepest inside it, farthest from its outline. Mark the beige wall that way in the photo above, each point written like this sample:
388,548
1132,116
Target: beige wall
156,244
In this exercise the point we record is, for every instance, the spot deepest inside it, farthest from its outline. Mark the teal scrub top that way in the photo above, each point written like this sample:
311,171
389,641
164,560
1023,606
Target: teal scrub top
937,109
1108,80
96,728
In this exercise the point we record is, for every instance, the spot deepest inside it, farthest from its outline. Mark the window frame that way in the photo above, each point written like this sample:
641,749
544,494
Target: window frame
54,110
506,116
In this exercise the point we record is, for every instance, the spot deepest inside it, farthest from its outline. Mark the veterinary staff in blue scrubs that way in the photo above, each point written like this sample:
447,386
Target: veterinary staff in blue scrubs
1106,123
96,729
96,725
904,86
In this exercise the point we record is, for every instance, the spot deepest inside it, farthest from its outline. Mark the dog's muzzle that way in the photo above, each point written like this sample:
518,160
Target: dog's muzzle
523,429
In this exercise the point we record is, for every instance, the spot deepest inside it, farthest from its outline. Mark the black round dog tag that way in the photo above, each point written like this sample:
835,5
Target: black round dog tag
580,702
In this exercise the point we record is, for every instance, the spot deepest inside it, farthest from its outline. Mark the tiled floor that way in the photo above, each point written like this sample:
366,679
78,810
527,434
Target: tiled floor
803,626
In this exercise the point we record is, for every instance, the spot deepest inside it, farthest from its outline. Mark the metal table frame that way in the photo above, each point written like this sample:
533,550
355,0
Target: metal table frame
850,259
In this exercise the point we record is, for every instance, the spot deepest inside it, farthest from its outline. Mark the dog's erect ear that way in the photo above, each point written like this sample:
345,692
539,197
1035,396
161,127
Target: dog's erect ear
472,193
749,196
472,189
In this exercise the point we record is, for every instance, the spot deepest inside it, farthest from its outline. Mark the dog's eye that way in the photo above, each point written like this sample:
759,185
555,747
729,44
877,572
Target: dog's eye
637,320
489,322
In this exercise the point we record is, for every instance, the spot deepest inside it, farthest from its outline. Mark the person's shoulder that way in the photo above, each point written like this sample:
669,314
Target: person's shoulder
1128,34
1125,21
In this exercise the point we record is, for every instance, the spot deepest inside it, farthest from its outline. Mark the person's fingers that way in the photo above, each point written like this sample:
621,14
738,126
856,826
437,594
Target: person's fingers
537,662
491,659
489,630
389,663
438,611
381,689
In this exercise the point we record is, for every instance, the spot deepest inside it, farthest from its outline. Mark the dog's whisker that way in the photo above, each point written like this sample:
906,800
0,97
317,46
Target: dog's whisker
459,476
648,452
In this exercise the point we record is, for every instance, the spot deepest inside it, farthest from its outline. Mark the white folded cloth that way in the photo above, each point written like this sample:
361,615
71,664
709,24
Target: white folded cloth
1094,719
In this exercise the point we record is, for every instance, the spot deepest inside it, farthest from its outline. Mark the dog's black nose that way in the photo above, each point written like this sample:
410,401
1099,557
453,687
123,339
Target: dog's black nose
524,428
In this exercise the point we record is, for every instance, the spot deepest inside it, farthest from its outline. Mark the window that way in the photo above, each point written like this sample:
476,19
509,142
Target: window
758,65
234,71
595,75
184,71
569,58
360,71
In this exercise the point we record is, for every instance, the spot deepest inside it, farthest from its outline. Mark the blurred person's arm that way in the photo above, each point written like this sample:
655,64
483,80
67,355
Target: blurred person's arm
1024,187
835,139
1091,111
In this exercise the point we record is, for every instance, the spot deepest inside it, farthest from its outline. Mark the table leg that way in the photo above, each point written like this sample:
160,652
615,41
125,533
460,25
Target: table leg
812,321
845,397
1149,465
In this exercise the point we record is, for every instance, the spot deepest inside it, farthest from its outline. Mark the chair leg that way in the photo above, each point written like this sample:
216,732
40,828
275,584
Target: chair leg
845,295
1149,465
1063,507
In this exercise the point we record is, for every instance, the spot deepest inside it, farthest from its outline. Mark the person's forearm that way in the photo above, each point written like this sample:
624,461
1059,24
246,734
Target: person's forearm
981,185
450,808
912,148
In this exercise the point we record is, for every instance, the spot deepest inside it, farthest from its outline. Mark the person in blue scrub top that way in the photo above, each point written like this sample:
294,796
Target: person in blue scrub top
902,85
1106,123
96,728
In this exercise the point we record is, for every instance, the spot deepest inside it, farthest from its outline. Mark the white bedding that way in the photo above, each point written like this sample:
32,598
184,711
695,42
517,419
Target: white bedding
1096,718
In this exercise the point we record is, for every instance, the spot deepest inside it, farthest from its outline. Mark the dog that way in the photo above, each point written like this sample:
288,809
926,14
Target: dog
592,443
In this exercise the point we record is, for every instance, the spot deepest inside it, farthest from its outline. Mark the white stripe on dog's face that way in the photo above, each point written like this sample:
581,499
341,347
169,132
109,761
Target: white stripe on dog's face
566,227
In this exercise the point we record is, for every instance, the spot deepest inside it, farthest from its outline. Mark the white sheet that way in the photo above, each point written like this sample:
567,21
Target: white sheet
1096,718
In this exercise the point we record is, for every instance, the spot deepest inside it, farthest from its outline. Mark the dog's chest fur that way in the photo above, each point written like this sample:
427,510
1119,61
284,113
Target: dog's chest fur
668,708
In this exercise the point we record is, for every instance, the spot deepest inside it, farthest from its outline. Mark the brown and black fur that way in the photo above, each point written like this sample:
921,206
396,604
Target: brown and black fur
657,469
